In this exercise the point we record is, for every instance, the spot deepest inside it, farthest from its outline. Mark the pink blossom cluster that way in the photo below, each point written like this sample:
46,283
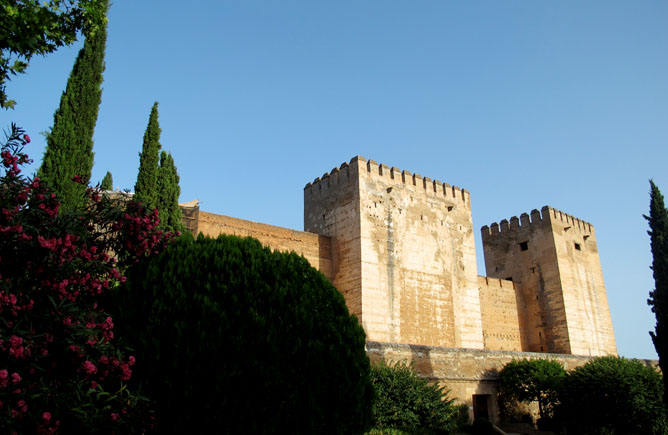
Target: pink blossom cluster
55,337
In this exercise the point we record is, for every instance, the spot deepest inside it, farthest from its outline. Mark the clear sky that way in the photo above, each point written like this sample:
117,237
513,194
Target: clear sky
523,103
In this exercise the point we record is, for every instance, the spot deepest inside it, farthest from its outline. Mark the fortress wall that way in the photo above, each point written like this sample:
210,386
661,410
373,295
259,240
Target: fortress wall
523,250
585,300
316,249
500,323
419,273
332,209
464,372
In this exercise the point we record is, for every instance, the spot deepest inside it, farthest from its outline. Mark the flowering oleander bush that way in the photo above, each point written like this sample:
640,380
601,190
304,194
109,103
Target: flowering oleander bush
234,338
60,367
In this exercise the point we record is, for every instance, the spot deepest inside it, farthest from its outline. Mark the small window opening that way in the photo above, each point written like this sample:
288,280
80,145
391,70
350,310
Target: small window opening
524,246
510,278
577,246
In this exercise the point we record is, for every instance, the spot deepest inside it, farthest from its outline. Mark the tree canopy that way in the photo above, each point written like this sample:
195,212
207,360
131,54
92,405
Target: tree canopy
69,151
658,298
107,182
146,187
34,27
532,380
168,194
615,396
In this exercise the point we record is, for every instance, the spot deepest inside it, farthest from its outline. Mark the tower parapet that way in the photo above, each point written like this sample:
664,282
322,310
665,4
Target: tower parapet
546,215
342,173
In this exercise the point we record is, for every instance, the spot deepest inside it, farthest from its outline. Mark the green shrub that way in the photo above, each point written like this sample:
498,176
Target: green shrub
408,402
239,339
531,380
613,395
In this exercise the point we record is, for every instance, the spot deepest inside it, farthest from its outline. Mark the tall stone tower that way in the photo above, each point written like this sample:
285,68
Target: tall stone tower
552,259
403,252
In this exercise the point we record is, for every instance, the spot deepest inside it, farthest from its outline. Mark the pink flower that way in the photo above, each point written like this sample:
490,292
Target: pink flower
26,138
46,416
89,367
114,416
16,378
77,178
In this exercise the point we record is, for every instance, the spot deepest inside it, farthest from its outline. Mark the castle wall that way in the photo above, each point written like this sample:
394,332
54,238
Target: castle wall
464,372
316,249
332,209
585,300
498,306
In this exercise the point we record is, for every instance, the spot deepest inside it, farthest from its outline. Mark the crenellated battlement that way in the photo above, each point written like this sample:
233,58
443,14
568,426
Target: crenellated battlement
384,172
546,214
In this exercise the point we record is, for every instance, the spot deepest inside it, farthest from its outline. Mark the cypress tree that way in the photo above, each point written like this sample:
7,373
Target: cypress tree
107,182
69,150
146,187
168,194
658,298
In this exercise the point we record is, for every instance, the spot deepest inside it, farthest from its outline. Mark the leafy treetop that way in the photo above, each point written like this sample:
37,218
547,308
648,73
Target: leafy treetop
34,27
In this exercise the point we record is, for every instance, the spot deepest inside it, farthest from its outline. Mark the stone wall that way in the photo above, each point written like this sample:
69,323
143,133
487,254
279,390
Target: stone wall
404,252
332,209
498,306
465,372
315,248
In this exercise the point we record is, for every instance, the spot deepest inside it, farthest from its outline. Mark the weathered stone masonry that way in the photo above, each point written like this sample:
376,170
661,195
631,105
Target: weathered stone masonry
400,247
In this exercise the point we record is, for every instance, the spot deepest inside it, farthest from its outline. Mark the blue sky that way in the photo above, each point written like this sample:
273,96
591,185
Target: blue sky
523,103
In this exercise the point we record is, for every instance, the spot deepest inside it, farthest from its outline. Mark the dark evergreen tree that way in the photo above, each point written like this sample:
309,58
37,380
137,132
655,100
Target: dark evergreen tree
232,336
658,298
107,182
168,194
146,188
69,150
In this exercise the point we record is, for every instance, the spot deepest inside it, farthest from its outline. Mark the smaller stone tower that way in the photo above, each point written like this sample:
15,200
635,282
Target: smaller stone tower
553,260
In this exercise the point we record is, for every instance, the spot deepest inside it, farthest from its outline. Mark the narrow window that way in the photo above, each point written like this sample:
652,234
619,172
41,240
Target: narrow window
577,246
524,246
510,278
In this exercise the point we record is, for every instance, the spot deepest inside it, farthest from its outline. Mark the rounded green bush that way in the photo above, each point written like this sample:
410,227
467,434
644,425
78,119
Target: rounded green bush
408,402
233,338
613,395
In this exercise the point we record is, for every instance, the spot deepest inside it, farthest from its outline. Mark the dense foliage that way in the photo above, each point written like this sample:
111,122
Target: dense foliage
613,395
69,150
168,195
408,402
146,187
60,366
33,27
658,298
107,182
532,380
232,336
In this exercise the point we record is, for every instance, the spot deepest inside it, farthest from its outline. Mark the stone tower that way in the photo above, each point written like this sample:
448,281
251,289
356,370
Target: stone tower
403,252
553,261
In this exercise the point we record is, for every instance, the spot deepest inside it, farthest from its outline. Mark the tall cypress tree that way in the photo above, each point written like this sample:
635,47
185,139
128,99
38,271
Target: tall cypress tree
69,150
146,187
658,298
107,182
168,194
